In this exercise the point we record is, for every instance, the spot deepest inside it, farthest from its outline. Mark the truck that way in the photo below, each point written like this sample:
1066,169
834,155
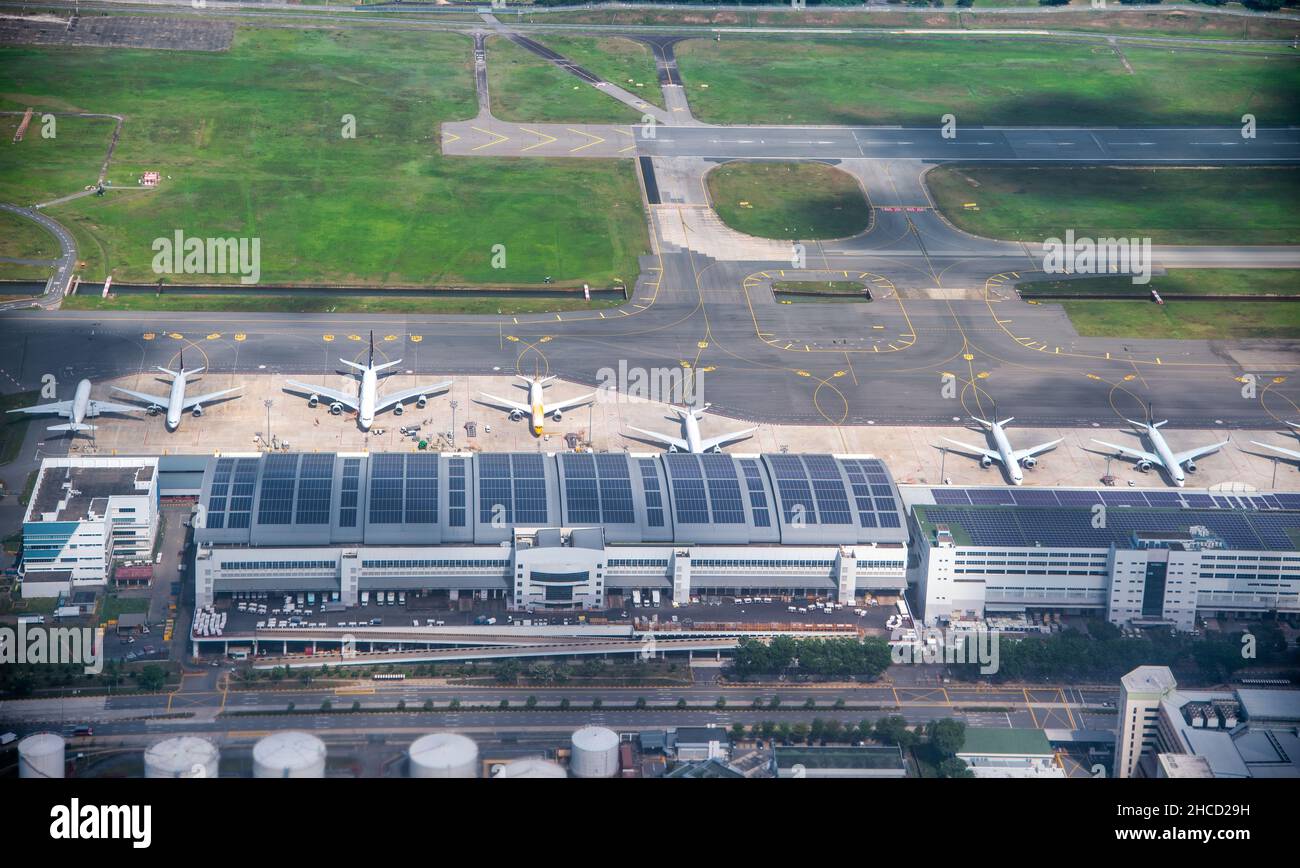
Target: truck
365,598
654,596
392,599
31,619
8,737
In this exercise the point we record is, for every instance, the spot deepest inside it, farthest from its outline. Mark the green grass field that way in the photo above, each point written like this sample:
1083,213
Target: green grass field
1185,320
25,239
13,428
38,169
1009,81
25,273
792,291
788,200
250,143
471,304
625,62
1190,281
1171,206
524,87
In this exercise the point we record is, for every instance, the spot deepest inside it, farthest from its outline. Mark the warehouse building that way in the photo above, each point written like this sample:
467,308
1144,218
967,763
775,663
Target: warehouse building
1136,558
1165,731
85,515
566,531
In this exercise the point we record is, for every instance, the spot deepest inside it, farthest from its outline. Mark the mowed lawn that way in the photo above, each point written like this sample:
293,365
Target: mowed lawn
21,238
470,304
250,143
995,81
1182,281
1185,320
1168,205
788,200
525,87
625,62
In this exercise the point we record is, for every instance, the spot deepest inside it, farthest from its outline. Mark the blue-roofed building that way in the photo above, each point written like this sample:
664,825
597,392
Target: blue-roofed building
1136,558
549,531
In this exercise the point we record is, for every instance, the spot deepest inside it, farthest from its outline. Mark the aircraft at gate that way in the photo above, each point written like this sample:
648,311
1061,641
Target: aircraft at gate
692,441
536,408
1289,453
1011,459
176,403
1163,456
80,408
367,402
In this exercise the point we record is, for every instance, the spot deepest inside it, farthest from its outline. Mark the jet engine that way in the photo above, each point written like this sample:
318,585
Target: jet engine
398,410
1028,462
154,410
336,408
556,416
1191,467
672,447
515,415
198,410
1144,466
313,401
986,462
422,401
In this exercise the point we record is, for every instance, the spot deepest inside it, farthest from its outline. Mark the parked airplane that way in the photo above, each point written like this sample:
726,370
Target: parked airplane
536,408
176,403
1011,459
367,402
1289,453
80,408
693,442
1163,456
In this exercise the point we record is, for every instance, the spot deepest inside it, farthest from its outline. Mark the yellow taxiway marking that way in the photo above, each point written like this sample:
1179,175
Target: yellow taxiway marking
548,139
354,337
176,336
327,338
595,140
214,336
149,336
453,138
240,336
415,339
497,139
390,337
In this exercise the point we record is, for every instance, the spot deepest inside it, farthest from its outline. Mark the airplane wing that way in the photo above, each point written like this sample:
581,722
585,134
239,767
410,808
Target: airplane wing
156,400
1289,453
978,450
94,408
570,402
1133,453
681,444
348,401
1193,454
1021,454
386,401
63,408
708,443
513,405
208,398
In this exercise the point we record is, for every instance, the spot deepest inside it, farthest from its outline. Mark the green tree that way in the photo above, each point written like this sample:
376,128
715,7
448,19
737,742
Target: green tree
151,677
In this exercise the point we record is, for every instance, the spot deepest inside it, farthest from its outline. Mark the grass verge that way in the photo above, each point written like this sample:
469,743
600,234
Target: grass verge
788,200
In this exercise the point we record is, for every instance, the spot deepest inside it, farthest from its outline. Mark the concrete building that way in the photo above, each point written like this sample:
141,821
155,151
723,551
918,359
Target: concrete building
1009,753
1136,558
86,514
566,531
1167,732
700,743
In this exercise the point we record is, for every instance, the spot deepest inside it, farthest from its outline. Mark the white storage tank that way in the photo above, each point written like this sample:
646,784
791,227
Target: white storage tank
41,756
530,768
185,756
595,753
443,755
289,754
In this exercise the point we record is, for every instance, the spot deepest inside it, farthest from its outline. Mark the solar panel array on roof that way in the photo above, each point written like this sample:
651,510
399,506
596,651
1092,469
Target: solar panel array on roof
421,489
873,492
757,494
315,479
1061,527
456,492
386,485
275,499
513,484
654,499
597,488
349,492
1074,497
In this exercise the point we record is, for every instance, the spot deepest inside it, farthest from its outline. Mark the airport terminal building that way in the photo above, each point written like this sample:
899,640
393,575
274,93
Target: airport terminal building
1136,558
549,531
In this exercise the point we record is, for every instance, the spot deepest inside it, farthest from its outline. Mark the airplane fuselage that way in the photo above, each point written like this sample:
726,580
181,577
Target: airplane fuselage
692,430
366,399
176,400
1003,445
80,402
1161,448
538,407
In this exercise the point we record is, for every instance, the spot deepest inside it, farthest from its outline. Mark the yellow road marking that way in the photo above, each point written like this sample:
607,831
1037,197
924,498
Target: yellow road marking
548,139
498,139
595,140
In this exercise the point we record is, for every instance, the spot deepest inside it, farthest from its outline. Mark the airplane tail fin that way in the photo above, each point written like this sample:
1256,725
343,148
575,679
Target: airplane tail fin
371,361
1006,420
984,422
71,426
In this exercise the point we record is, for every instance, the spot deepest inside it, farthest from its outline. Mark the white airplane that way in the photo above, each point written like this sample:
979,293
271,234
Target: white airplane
1163,456
1289,453
536,408
1011,459
80,408
367,401
694,443
176,403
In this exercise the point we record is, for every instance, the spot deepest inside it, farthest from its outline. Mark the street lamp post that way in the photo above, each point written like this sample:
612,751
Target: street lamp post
268,402
943,460
453,424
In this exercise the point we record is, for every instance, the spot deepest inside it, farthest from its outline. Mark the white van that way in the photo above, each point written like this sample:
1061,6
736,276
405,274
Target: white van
392,601
365,598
